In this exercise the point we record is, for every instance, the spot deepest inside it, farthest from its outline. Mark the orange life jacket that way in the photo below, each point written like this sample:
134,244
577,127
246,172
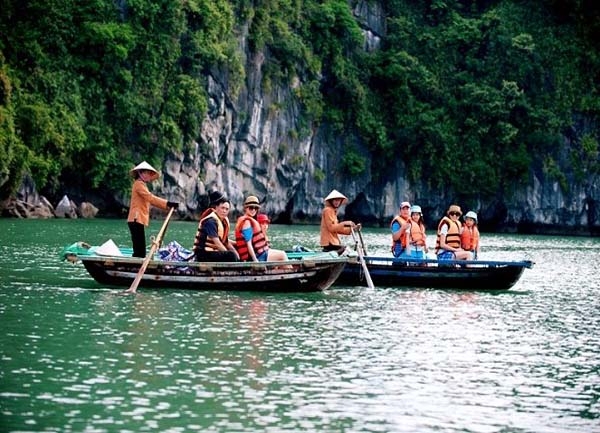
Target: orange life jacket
259,241
469,238
453,236
402,241
202,242
417,234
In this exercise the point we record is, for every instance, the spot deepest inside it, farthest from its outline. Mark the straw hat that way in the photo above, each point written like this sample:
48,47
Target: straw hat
263,218
145,166
472,215
336,194
252,200
416,209
454,208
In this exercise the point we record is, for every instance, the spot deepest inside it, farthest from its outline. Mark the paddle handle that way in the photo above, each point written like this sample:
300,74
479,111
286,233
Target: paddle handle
362,243
363,263
155,245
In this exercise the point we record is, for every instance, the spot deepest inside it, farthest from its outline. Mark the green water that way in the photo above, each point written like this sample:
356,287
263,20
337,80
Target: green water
76,358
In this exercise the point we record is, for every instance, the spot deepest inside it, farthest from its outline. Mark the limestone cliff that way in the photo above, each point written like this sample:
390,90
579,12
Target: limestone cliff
250,146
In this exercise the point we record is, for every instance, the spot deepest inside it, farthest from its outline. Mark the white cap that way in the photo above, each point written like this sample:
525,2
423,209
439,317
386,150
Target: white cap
471,214
416,209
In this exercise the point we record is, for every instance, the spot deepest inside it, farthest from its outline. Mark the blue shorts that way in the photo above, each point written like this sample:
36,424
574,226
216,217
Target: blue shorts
446,255
397,250
262,257
417,254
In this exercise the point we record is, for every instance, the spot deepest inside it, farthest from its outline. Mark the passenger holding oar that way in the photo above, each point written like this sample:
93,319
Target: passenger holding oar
139,207
331,228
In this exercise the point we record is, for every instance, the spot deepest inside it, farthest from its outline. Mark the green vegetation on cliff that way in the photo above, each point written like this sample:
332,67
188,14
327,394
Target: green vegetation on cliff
470,94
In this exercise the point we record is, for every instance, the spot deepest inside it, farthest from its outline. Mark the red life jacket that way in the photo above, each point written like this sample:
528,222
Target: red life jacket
469,238
259,241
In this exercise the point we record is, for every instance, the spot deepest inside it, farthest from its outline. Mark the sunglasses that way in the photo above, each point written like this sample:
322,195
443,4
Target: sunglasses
405,207
454,213
253,207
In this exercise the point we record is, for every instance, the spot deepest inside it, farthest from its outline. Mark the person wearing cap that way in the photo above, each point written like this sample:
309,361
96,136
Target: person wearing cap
398,226
448,246
469,238
416,241
331,228
211,243
139,206
250,239
264,221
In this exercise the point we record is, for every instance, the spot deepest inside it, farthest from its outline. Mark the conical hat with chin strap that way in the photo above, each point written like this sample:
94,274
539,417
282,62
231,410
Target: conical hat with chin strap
336,194
145,166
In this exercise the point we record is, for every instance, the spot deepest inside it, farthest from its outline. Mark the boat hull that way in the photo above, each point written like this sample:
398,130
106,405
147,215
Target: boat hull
307,275
475,275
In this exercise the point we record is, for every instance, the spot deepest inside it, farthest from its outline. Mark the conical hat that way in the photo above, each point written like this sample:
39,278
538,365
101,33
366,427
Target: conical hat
336,194
145,166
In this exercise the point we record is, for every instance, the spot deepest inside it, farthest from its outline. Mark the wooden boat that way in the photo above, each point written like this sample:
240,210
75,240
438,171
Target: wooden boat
431,273
313,273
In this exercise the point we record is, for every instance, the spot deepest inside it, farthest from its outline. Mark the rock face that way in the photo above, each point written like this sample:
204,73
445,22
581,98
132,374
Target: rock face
65,208
251,145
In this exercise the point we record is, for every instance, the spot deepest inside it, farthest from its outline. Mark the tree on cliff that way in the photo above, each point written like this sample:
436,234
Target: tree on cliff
475,94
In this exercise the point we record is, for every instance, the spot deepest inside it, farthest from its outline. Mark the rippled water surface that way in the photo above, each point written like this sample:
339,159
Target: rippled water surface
76,358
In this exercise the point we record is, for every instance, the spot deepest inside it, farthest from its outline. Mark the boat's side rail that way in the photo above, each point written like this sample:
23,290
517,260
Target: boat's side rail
309,262
434,262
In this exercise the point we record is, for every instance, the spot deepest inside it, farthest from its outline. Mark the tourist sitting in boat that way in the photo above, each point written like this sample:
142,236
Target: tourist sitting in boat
448,246
139,207
331,228
264,221
211,243
250,240
416,245
469,238
399,225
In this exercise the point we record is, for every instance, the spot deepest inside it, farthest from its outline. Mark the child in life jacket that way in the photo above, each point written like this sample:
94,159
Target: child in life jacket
469,238
416,245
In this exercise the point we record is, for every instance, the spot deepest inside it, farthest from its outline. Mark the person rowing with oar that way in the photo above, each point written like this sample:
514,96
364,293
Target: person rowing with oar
331,228
139,207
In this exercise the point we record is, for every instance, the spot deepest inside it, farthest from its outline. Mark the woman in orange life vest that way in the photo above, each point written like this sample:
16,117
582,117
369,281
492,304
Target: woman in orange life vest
399,225
250,240
139,207
211,243
469,238
331,227
416,245
263,220
448,236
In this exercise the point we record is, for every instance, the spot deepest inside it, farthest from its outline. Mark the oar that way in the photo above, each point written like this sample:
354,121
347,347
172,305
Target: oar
155,244
362,243
361,259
